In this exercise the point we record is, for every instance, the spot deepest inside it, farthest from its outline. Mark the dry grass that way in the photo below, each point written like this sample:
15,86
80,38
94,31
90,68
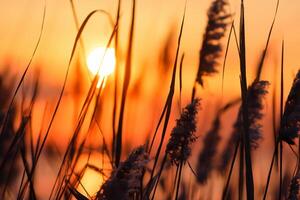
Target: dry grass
145,172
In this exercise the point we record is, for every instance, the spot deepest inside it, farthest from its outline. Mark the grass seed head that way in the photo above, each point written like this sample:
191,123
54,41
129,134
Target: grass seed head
290,124
178,147
125,181
294,187
211,48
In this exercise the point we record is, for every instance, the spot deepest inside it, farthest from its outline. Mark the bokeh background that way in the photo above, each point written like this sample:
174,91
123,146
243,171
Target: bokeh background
156,31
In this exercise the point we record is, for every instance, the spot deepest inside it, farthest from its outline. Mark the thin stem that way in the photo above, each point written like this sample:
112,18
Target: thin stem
270,171
178,181
231,170
281,114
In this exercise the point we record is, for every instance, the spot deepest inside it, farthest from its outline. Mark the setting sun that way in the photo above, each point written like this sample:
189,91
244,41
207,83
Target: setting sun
140,100
101,67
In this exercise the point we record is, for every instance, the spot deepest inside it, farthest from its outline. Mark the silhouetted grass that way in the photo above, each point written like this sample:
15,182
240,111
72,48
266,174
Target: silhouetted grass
156,170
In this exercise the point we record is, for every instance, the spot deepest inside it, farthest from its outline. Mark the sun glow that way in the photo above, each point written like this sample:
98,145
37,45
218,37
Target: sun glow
101,62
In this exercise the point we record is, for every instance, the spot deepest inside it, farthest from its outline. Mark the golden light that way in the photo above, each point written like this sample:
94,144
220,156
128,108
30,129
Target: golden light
93,177
91,181
101,62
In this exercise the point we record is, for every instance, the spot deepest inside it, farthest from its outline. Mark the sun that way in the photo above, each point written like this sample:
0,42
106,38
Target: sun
101,62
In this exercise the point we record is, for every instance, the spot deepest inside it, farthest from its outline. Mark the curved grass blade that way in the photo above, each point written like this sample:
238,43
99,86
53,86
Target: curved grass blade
38,154
245,141
126,82
25,72
260,66
168,105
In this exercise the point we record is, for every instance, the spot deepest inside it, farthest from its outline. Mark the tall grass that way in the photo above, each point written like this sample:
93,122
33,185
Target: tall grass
163,167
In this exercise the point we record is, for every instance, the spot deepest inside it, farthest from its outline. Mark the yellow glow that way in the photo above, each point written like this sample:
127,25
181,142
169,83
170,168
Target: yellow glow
99,65
92,182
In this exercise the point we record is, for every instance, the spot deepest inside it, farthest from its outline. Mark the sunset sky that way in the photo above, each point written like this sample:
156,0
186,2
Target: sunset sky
20,22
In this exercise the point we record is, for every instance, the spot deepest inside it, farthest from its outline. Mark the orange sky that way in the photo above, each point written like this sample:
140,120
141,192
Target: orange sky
20,22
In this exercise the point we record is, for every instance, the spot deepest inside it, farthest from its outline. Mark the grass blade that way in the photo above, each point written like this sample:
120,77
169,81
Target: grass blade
168,105
281,115
260,66
24,73
114,111
126,81
245,141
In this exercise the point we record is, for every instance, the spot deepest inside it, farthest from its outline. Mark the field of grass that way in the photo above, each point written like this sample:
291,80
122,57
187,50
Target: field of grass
158,133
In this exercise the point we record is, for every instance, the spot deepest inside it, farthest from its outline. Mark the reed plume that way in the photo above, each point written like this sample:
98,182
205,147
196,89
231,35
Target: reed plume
295,187
205,164
290,122
211,48
126,181
206,157
178,148
255,94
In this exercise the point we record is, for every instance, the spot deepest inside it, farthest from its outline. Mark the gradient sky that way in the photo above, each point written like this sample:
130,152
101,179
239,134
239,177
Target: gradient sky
21,19
20,22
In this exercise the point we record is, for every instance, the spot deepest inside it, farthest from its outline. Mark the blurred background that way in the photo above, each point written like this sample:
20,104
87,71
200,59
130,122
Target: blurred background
154,47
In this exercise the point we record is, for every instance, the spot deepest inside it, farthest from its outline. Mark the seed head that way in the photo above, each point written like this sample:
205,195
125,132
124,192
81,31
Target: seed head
182,135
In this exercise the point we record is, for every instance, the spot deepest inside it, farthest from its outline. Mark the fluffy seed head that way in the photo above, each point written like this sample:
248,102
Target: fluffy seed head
295,188
125,181
206,157
178,147
211,48
290,124
255,95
